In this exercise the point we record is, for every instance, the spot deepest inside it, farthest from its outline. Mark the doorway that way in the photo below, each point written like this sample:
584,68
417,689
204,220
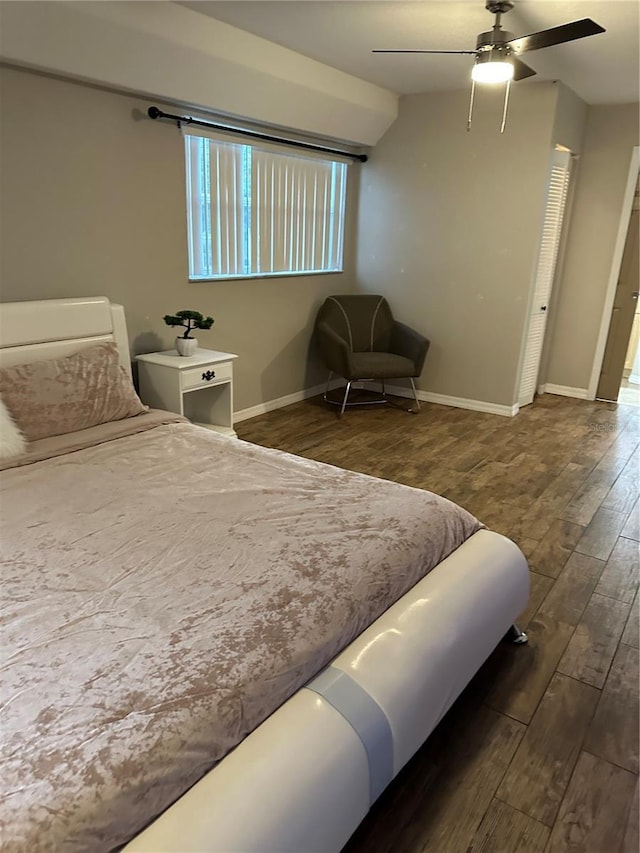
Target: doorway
619,380
555,207
629,393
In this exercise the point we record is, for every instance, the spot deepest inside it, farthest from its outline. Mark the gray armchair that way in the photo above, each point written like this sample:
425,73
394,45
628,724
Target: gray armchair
360,340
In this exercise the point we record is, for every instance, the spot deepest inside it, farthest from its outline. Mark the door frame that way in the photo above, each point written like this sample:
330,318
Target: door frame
616,263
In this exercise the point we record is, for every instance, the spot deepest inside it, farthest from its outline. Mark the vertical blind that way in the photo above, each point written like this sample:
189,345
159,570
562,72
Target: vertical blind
255,211
545,272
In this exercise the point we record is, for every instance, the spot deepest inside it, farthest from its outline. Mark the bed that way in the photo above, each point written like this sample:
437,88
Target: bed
208,645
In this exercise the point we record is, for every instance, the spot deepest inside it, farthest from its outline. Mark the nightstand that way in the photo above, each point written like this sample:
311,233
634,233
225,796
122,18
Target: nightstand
199,386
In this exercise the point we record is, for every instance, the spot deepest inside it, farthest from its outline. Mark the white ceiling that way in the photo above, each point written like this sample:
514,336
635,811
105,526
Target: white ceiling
341,33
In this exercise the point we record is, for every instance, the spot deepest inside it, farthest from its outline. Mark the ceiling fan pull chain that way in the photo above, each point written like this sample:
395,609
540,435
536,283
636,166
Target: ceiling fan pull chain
506,105
470,116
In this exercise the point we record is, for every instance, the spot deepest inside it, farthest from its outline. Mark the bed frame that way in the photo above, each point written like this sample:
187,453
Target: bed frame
306,777
53,328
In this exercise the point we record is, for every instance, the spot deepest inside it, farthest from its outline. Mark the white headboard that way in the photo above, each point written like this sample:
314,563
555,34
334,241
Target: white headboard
51,328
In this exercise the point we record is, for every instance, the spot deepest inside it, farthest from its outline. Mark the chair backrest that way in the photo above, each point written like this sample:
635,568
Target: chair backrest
363,319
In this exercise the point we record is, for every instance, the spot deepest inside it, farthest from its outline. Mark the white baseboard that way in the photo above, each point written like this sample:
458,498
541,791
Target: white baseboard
456,402
564,391
396,390
278,403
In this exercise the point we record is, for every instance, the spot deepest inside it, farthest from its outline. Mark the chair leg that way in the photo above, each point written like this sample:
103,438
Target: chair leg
383,394
415,393
346,396
326,390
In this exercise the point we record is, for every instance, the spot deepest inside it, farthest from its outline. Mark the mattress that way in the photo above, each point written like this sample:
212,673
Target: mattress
164,591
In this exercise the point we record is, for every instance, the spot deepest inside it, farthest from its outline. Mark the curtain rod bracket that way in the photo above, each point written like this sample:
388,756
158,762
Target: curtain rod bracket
154,112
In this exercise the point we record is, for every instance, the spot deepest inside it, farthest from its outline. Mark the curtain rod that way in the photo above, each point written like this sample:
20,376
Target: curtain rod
154,112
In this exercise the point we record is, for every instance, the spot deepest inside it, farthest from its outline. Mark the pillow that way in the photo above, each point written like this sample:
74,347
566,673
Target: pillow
12,441
63,395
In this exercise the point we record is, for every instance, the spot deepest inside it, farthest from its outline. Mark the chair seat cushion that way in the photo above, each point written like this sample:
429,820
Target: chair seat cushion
381,365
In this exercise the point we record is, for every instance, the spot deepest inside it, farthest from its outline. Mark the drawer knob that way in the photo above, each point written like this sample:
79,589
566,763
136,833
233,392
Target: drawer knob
209,374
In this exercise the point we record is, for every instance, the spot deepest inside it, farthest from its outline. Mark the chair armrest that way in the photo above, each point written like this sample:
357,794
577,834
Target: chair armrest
409,343
335,350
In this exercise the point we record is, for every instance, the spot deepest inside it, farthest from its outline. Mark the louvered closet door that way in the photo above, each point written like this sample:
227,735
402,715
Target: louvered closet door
551,233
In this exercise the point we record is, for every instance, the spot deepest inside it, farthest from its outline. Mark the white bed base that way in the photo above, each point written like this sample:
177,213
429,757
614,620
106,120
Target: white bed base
300,783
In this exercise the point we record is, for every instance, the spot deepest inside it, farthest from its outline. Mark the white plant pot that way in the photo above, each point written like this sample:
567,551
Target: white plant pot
186,346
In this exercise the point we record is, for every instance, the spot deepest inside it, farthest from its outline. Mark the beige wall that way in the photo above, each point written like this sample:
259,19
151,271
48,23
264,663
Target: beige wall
92,201
167,51
570,120
611,134
449,230
569,128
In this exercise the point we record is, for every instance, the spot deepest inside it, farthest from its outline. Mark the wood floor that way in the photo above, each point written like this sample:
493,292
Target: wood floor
540,753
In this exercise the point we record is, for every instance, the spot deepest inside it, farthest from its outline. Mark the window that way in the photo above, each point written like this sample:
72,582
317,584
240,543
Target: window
254,211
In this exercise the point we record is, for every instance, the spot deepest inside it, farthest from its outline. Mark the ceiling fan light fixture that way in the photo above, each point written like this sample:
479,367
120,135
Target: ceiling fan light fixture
488,70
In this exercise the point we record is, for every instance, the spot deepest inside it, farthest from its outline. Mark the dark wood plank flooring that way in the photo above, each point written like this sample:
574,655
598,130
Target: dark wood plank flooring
540,753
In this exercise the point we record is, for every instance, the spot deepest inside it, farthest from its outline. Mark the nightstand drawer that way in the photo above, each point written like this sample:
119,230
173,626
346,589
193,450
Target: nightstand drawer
208,374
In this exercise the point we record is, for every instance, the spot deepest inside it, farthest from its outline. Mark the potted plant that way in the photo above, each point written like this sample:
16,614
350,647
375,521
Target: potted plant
190,320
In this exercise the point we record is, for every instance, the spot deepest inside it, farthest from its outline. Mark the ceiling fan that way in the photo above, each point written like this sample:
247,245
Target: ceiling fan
497,51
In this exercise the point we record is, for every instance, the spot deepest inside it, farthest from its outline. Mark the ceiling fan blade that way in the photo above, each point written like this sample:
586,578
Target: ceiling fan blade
556,35
400,50
520,70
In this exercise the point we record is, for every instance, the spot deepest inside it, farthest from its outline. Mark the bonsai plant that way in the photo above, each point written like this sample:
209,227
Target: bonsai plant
189,320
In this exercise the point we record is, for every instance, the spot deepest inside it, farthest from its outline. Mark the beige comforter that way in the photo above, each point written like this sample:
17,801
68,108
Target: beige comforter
163,593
